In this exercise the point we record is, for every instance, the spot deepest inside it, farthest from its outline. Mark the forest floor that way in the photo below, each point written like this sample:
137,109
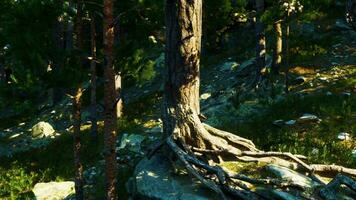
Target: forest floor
271,119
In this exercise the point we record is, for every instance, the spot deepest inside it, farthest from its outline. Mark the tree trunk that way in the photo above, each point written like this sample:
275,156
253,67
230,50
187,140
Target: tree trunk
183,36
57,66
260,36
194,143
118,89
277,54
286,53
77,113
109,101
69,31
94,126
77,145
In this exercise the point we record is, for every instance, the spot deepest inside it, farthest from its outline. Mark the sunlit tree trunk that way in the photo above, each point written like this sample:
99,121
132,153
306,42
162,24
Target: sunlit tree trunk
183,46
109,101
286,53
260,36
94,126
277,54
77,110
118,89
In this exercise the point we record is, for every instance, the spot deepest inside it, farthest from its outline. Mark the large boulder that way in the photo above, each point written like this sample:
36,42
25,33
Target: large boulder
53,190
42,129
155,179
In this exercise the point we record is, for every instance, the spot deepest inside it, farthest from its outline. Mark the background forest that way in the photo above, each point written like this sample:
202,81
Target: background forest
86,87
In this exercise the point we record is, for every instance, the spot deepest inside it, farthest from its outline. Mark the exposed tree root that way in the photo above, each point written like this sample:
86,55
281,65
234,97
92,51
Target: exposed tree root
202,161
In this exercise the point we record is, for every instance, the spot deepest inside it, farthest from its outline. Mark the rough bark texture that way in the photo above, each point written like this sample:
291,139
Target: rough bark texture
260,36
183,36
77,145
277,54
118,88
94,125
77,111
286,53
109,101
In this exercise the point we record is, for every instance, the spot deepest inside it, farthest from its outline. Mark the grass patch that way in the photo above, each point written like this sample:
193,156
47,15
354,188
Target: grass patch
319,141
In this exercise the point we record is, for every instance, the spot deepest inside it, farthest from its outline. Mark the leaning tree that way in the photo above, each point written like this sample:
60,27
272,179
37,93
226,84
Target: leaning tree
200,147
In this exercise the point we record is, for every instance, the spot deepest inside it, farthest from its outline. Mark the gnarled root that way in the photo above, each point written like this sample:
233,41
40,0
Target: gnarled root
201,147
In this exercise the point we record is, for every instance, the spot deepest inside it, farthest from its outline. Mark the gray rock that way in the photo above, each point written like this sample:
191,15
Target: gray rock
290,122
341,25
293,176
155,179
228,66
42,129
278,122
299,80
131,142
343,136
53,190
307,118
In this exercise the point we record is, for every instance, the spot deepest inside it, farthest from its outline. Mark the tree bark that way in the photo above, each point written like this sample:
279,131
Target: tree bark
109,101
183,44
286,53
77,110
277,54
260,36
77,145
118,89
94,125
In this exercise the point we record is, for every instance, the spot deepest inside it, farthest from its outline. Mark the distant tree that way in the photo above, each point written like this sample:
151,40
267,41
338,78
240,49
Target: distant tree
277,51
110,113
94,126
77,108
260,38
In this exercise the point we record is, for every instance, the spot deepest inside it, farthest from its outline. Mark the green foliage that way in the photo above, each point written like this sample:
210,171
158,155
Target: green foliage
16,182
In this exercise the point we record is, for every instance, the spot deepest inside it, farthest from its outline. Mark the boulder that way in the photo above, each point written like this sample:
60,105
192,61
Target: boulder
42,129
155,179
308,118
53,190
131,142
290,175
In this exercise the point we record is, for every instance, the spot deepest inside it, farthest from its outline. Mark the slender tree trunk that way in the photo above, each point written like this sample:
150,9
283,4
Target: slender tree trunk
94,126
77,111
118,89
183,46
77,145
57,92
69,31
277,54
260,36
2,74
109,101
286,54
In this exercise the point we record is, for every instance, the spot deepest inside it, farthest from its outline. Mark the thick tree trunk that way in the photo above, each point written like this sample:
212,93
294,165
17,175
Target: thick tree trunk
109,101
277,54
94,126
195,144
183,36
77,110
260,36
